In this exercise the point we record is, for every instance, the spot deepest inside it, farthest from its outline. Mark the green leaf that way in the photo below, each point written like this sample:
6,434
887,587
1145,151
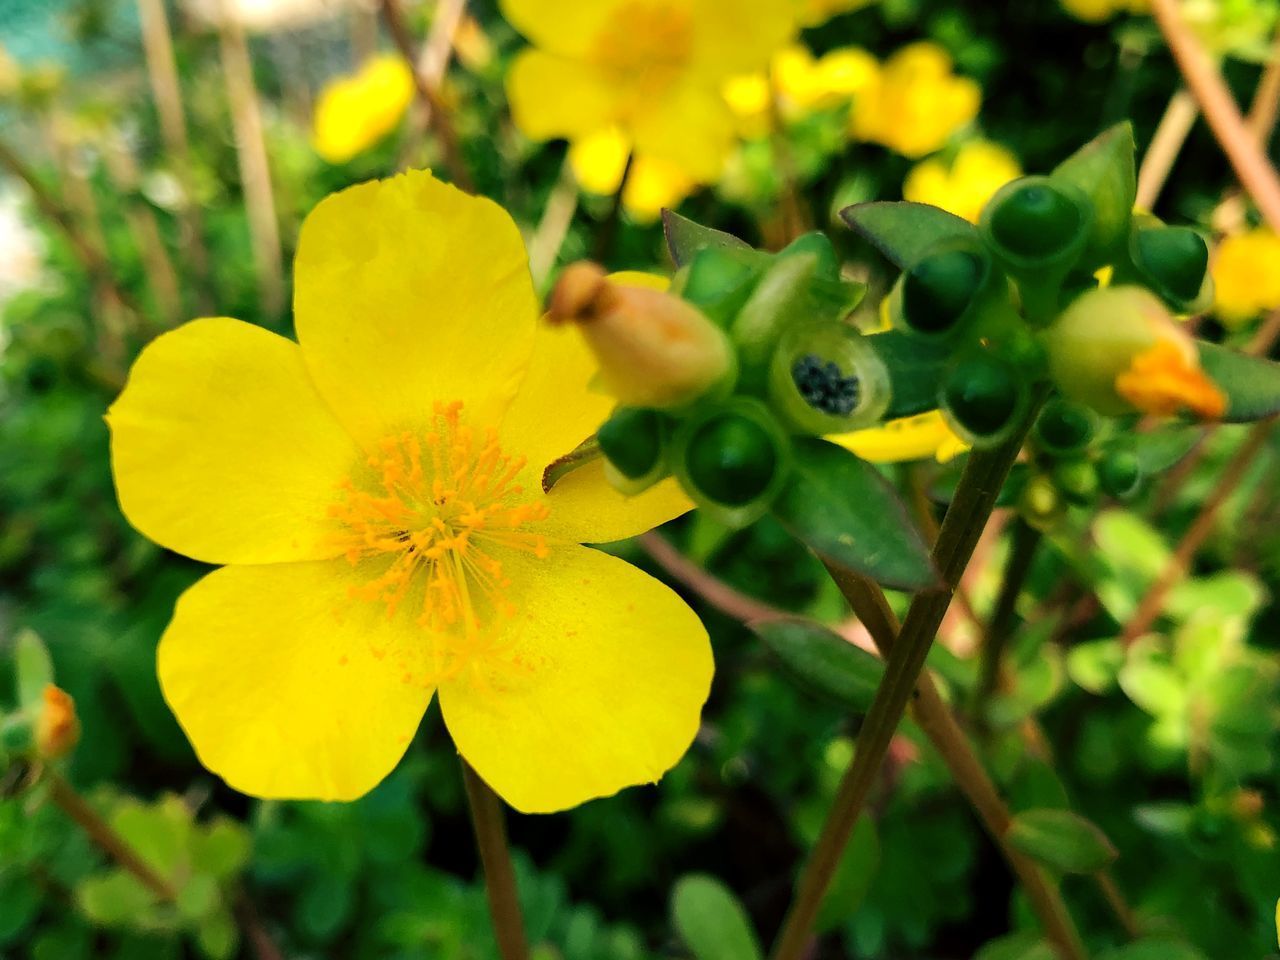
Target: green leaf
1158,450
1095,665
824,660
1017,946
115,898
1154,948
34,667
685,238
904,231
1061,840
915,368
20,900
711,921
217,936
1252,385
1152,682
220,849
1104,169
198,897
845,511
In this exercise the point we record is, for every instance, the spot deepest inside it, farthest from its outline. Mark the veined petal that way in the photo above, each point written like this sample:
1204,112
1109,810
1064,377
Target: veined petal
410,292
222,449
600,687
691,128
567,27
288,687
553,96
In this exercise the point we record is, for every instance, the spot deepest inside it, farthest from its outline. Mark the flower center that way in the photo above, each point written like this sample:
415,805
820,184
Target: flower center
432,514
644,47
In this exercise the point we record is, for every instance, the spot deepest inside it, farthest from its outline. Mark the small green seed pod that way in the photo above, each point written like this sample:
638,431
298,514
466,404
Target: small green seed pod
1078,481
1174,263
827,378
1064,429
633,441
732,458
1120,474
983,398
1040,503
941,292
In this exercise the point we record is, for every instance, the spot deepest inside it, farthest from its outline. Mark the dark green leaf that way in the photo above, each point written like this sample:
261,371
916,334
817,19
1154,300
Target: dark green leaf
904,231
1158,450
711,921
824,660
915,367
846,512
1062,840
685,238
1252,385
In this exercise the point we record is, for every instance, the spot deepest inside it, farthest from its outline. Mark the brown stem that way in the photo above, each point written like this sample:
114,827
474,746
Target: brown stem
713,590
1255,172
607,232
1232,475
428,93
101,833
495,856
264,948
1166,143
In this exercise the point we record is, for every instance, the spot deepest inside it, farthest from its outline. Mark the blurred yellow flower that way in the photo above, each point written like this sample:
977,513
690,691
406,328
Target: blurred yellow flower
1096,11
801,84
1246,276
916,104
813,12
355,112
375,493
908,438
979,169
598,162
653,69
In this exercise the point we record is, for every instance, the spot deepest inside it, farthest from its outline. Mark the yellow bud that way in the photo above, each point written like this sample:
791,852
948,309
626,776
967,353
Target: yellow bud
1118,350
654,349
57,727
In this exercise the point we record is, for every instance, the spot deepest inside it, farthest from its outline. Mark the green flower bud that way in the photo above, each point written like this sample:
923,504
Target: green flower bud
718,282
1078,481
982,398
1174,262
819,245
633,443
732,459
1040,503
1120,473
1064,428
827,378
18,734
939,294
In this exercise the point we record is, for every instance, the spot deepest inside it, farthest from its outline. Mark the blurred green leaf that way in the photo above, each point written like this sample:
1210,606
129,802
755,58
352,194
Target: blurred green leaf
824,660
853,877
115,898
1252,385
1095,664
711,921
915,367
685,238
902,231
1154,948
34,666
1018,946
1062,840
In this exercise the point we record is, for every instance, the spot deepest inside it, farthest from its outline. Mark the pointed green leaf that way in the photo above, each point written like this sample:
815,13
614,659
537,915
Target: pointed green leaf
1104,169
1061,840
904,231
35,668
711,921
685,238
1252,385
915,368
823,660
845,511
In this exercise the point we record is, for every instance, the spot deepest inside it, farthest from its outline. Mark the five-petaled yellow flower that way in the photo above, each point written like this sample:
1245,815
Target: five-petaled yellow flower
916,103
977,171
1246,276
374,491
651,69
353,113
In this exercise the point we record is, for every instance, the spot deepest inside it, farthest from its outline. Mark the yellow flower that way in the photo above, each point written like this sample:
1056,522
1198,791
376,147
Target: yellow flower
800,84
1246,276
354,112
57,726
598,162
916,104
979,169
374,491
651,68
908,438
813,12
1096,11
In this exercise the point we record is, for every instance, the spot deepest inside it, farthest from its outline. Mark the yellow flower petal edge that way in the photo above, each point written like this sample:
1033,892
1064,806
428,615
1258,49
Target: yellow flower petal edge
592,697
920,437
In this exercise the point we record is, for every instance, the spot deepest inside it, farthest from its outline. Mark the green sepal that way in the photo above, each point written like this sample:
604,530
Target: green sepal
817,243
685,238
845,511
823,661
718,281
712,921
1251,384
1104,169
634,443
34,668
904,231
584,453
1062,840
915,367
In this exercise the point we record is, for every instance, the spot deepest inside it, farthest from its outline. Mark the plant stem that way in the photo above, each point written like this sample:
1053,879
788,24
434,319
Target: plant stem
101,833
1166,143
495,856
608,230
974,499
1025,539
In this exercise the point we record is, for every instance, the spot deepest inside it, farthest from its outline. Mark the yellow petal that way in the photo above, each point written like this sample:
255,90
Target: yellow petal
289,688
354,112
909,438
553,96
599,160
692,130
654,184
600,688
567,27
410,292
738,37
585,508
222,449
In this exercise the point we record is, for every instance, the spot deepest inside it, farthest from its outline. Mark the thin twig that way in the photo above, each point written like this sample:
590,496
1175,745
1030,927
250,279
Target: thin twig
607,231
495,856
1166,143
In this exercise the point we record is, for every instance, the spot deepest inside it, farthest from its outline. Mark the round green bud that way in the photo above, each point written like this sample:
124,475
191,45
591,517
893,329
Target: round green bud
731,459
826,378
819,245
1064,428
632,441
1035,219
1078,481
17,734
938,290
1174,260
1120,473
1040,503
982,396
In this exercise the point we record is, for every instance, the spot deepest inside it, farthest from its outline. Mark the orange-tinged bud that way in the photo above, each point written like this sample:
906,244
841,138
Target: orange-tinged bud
654,349
1163,381
57,727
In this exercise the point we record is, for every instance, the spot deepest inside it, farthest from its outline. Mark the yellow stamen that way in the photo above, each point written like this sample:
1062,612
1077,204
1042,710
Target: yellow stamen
432,510
1163,381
